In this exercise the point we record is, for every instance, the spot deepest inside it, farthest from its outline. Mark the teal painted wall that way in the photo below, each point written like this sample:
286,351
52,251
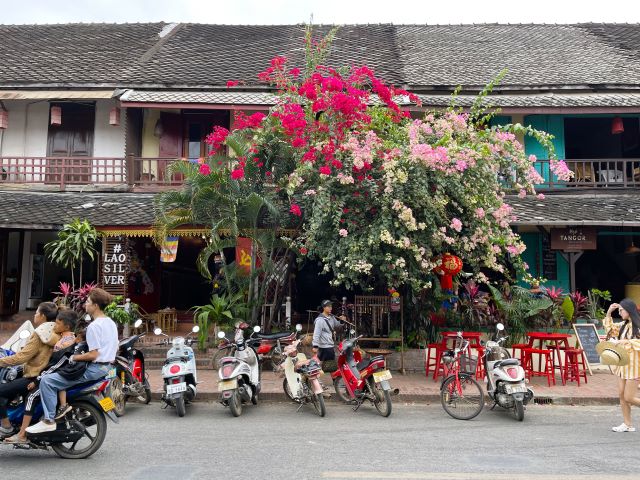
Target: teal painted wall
499,120
533,257
552,124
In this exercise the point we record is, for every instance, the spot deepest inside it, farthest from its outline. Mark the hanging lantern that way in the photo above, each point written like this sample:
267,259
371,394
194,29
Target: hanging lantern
56,115
4,119
114,116
617,126
450,265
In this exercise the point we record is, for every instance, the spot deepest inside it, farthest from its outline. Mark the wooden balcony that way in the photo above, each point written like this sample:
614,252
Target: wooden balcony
613,173
102,173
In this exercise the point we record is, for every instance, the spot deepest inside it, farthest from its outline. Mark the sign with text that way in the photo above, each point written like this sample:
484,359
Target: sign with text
549,259
588,338
115,265
574,239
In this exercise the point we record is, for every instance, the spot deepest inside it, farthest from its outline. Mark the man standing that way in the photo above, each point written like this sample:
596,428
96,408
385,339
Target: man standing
324,326
102,340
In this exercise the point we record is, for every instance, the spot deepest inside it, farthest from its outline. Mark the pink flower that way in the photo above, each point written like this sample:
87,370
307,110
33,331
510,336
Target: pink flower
324,170
343,232
456,224
540,196
232,83
480,212
303,250
237,174
204,169
295,72
522,193
295,209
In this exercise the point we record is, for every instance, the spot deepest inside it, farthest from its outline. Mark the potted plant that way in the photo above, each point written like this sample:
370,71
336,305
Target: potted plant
122,311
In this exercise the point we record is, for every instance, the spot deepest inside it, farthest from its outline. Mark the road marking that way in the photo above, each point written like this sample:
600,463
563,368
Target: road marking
470,475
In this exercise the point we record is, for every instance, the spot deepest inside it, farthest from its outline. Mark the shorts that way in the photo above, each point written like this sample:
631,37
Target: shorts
326,354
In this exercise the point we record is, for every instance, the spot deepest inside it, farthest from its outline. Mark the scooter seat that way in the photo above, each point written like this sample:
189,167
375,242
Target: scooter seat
506,363
273,336
368,361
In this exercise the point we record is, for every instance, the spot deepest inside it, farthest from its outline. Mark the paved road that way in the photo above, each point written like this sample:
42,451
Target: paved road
272,441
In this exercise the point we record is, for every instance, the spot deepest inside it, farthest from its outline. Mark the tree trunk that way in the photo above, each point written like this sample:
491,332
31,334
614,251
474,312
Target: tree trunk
80,282
73,278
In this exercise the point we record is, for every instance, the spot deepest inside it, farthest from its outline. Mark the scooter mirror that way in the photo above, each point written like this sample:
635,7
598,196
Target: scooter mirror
24,334
500,327
298,327
157,331
220,334
195,329
256,329
138,323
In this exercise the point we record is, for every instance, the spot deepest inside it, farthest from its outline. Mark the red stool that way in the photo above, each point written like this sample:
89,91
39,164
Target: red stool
548,364
432,355
555,354
480,373
521,347
574,365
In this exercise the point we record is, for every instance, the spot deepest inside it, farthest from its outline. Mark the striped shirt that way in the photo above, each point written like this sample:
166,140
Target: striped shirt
631,371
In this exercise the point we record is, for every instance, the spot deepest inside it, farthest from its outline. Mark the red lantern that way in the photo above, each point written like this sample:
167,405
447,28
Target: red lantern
56,115
617,126
450,265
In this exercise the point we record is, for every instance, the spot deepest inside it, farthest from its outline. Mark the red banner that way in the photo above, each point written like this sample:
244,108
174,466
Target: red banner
244,252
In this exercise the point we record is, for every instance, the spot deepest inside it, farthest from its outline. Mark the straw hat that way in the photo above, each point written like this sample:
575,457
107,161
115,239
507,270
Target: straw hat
612,353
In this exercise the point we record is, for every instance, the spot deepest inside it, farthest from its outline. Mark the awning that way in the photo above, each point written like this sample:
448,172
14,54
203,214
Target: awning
146,231
188,99
54,94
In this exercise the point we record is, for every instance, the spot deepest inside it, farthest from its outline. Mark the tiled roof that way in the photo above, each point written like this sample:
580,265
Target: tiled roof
430,57
223,98
621,209
39,210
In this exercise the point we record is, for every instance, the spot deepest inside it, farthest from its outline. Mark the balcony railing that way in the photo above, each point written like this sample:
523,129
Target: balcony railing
593,173
61,172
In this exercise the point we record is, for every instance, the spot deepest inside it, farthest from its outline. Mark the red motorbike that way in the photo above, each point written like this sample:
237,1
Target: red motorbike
357,380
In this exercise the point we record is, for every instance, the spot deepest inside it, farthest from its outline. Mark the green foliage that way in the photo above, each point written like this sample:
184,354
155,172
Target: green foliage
76,240
595,304
568,309
222,311
116,311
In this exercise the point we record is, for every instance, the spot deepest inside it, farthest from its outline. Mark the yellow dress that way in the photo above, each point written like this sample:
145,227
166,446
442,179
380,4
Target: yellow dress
631,371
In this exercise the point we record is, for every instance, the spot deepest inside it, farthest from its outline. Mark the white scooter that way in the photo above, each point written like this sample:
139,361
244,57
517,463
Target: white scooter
179,372
239,376
505,377
19,339
301,383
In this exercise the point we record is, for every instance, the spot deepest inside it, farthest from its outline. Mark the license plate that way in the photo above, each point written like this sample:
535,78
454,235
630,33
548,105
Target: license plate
111,374
176,388
107,404
381,376
227,385
515,388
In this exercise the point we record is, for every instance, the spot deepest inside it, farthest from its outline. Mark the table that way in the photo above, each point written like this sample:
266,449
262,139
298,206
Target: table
379,351
473,337
558,339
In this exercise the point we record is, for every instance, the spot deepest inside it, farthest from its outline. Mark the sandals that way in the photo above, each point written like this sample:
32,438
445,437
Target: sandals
15,440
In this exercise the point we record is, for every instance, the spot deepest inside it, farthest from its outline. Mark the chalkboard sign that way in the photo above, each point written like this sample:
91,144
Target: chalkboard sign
549,259
588,338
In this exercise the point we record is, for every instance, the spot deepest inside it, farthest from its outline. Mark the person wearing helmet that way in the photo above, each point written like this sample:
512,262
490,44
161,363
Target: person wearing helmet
323,332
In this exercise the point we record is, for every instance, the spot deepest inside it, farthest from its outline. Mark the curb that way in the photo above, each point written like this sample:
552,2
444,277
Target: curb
427,399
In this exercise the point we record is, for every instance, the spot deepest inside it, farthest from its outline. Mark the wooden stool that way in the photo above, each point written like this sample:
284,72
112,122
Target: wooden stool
574,365
480,372
548,364
432,355
521,347
557,365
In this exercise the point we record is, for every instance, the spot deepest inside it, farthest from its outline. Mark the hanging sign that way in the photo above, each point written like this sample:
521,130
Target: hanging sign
169,250
574,239
244,251
115,265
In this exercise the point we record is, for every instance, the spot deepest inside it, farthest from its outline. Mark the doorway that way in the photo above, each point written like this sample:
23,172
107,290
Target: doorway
10,256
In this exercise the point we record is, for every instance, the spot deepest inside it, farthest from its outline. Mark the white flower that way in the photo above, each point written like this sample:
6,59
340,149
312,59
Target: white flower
343,232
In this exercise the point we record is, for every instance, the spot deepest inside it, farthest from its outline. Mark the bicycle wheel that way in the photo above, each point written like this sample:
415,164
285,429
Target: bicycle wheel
462,397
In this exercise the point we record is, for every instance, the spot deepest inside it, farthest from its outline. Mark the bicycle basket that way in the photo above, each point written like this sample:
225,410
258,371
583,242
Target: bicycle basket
468,364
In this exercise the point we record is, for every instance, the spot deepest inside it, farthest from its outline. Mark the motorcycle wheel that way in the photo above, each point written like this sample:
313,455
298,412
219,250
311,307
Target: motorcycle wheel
116,392
235,404
518,410
463,405
287,390
180,407
341,390
95,425
382,399
274,356
146,398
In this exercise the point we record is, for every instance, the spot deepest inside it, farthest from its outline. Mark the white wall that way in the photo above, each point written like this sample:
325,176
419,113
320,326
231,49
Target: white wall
108,139
34,143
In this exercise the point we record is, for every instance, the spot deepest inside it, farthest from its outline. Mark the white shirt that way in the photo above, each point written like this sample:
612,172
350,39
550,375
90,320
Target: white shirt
102,335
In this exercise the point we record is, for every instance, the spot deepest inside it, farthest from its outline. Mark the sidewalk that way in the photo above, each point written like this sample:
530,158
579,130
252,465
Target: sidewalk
601,388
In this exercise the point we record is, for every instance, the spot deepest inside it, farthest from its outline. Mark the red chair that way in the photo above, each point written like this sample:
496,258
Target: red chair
521,347
480,372
432,356
548,364
574,365
555,359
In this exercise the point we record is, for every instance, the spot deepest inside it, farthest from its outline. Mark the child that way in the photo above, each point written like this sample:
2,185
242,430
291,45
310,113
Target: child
64,325
81,346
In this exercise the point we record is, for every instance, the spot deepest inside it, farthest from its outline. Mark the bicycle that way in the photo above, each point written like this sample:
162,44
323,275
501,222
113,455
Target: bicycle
461,396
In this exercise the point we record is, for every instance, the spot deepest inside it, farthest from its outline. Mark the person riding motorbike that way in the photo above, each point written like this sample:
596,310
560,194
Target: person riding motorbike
35,356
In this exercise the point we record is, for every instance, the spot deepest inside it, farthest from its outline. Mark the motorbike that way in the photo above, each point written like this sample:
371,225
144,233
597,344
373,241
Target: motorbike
8,374
82,430
357,380
505,377
18,339
179,372
239,375
131,379
301,382
272,346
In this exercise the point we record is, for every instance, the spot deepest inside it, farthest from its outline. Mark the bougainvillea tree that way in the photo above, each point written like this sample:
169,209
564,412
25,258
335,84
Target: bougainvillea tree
379,194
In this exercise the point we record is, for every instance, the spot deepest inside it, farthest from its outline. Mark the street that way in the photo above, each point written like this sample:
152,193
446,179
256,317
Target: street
418,441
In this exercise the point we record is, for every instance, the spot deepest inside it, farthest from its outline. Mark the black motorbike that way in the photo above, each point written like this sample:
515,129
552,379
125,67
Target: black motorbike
131,379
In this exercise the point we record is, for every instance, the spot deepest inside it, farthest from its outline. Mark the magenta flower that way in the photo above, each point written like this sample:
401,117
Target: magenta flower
295,209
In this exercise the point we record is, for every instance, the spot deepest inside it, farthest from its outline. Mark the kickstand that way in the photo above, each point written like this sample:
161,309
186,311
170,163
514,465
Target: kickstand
494,405
300,407
357,405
